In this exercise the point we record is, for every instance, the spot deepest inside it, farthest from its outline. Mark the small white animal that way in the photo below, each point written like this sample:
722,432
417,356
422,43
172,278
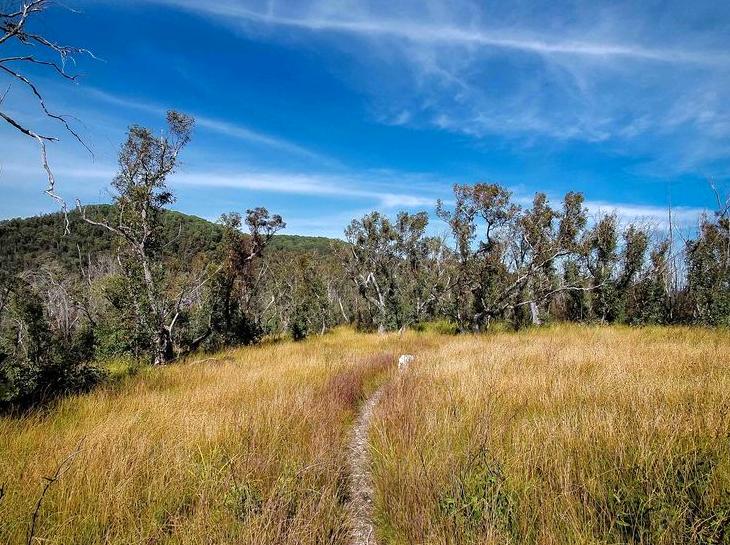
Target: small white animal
404,360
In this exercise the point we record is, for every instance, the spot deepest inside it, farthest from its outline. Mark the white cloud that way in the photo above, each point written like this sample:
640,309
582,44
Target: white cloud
427,32
326,185
373,187
657,216
221,127
96,173
385,190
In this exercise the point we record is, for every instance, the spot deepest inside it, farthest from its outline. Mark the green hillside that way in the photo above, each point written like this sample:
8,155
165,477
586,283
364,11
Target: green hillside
26,242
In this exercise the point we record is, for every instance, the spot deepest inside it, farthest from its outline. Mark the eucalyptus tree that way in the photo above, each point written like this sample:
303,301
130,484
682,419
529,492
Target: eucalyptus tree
617,261
652,303
311,310
387,264
422,281
236,309
372,265
140,196
478,259
507,255
633,268
708,268
602,261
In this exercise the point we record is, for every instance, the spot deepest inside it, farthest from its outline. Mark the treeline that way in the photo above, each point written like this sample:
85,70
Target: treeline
159,293
525,265
28,242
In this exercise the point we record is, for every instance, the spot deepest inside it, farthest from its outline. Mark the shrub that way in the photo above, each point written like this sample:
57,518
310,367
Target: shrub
36,363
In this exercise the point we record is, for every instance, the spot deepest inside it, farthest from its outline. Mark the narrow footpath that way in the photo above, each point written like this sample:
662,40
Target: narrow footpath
361,481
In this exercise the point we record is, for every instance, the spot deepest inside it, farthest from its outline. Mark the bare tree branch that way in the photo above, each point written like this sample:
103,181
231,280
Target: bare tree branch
14,31
60,470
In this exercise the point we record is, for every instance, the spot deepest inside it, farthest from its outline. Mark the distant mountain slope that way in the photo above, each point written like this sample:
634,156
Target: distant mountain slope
26,242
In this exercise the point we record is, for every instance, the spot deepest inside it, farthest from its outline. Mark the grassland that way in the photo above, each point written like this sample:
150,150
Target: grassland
561,436
556,435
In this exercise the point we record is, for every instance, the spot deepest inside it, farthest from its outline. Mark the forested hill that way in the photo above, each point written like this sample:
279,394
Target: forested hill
26,242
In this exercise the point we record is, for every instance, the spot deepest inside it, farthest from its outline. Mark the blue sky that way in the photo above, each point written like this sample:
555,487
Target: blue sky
324,110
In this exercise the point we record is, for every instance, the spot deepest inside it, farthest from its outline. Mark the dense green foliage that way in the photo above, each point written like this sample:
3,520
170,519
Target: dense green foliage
38,362
26,242
30,241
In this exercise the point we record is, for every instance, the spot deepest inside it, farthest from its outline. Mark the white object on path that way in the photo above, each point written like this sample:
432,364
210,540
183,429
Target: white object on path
404,360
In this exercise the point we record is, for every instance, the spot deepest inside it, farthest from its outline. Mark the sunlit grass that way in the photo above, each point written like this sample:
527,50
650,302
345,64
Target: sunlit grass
560,435
247,447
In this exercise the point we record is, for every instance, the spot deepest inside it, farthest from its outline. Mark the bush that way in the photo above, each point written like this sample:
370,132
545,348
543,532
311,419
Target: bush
440,327
481,498
36,364
299,330
674,496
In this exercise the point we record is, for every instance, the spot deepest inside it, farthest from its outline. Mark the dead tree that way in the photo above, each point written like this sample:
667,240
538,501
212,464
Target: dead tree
26,47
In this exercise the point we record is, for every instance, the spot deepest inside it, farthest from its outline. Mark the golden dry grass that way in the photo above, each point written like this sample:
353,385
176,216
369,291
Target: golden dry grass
566,435
557,435
245,449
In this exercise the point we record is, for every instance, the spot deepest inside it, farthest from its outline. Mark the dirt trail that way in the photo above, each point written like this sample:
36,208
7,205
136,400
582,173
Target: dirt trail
362,530
361,483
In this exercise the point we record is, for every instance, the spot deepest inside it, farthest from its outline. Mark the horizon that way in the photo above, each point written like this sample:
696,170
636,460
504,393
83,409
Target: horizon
323,111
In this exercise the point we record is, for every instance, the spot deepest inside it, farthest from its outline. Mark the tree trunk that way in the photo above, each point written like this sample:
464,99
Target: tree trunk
535,313
163,349
163,342
199,340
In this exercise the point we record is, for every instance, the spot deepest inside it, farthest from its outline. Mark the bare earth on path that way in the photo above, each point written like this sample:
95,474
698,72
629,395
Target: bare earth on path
361,485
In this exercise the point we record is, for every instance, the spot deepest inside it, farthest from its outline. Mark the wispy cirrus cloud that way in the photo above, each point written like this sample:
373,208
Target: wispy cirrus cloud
367,188
635,78
654,216
355,193
101,173
219,126
326,17
529,92
371,189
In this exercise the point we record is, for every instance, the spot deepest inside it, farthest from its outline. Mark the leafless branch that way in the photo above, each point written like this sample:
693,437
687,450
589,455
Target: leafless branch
60,470
723,203
14,30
